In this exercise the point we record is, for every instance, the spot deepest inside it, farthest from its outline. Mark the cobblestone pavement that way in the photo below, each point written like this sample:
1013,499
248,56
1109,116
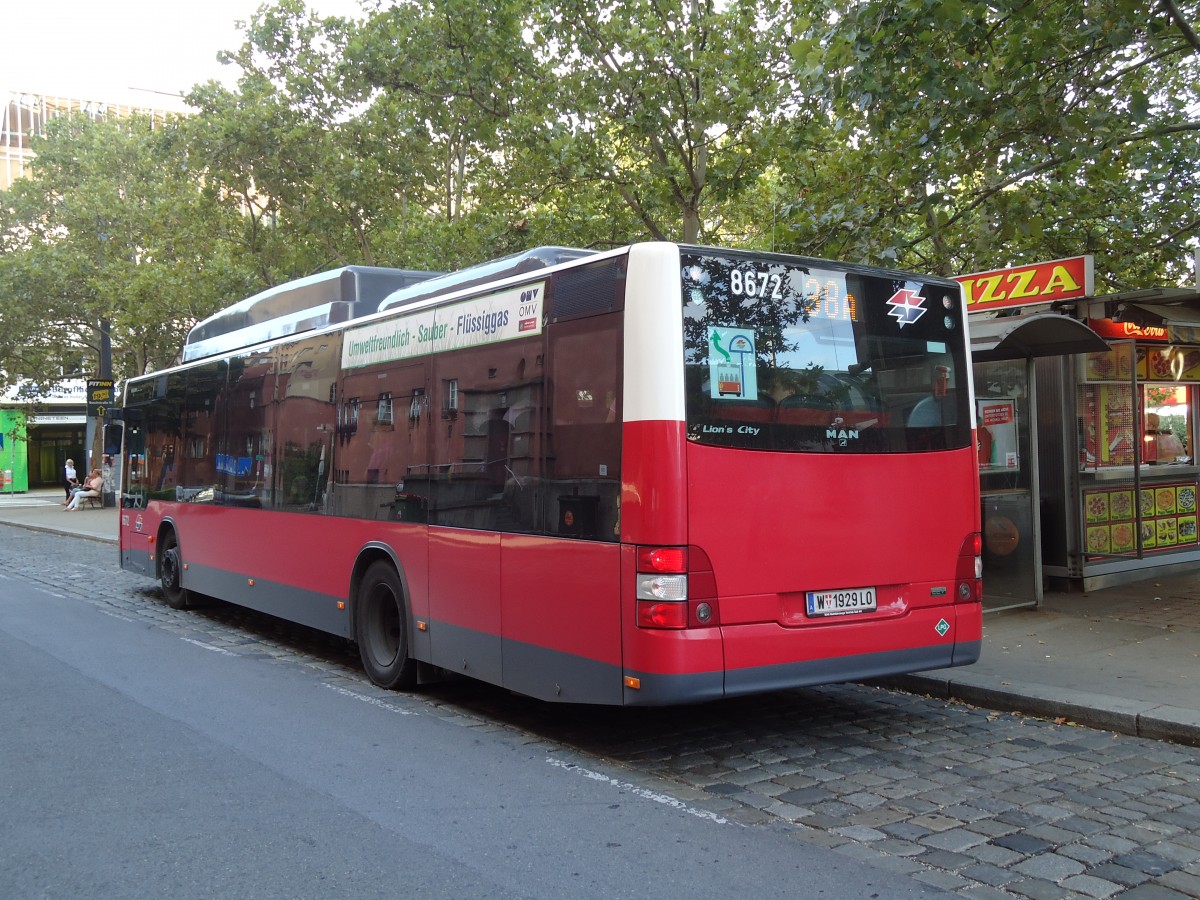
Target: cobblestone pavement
984,804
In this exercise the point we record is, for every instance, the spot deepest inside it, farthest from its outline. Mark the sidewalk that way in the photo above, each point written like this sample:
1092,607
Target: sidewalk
1123,659
41,510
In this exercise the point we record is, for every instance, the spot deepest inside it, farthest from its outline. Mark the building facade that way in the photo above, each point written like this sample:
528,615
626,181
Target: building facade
24,115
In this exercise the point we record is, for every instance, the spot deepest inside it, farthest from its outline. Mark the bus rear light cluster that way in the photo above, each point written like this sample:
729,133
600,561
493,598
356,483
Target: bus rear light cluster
969,573
675,588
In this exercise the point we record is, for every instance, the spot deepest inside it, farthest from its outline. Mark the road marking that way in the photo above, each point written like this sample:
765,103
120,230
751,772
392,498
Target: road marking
205,646
115,615
644,793
374,701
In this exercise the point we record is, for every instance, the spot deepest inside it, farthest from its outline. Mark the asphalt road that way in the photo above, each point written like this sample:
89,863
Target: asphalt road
150,753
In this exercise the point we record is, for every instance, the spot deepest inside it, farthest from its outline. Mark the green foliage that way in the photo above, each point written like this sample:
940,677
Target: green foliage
971,136
110,226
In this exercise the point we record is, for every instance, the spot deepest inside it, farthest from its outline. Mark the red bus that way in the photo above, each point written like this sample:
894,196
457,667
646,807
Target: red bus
653,475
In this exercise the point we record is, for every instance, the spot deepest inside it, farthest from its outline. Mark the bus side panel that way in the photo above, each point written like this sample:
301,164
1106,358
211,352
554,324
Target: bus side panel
233,554
562,622
653,494
464,602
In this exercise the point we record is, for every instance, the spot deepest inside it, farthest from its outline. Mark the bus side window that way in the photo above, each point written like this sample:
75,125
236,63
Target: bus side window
583,490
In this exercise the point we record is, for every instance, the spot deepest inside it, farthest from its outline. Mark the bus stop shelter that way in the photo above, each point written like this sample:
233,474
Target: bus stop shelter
1003,350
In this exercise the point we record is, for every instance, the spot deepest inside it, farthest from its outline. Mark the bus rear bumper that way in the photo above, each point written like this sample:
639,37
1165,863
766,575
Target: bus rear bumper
850,657
664,690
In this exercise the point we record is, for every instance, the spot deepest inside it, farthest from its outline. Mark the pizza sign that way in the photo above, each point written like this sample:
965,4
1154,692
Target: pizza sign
1059,279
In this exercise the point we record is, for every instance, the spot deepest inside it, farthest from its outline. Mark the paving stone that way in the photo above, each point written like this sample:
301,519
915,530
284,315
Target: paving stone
1153,892
1119,874
1111,842
1089,856
1050,866
1052,834
861,833
937,822
906,831
1080,825
990,853
1176,850
1037,889
984,892
865,800
956,840
989,874
1183,882
946,859
1150,863
1090,886
1022,843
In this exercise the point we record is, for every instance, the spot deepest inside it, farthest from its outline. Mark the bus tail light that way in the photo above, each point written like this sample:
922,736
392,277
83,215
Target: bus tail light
675,588
969,574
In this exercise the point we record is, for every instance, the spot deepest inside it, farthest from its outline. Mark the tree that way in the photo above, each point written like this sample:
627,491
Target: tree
111,226
674,107
968,136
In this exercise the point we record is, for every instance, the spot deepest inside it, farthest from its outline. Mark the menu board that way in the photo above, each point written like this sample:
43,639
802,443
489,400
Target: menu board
1179,364
1109,365
1168,364
1108,425
1168,514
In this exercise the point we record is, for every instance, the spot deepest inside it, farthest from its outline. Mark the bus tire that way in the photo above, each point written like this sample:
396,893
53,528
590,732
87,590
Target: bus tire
170,572
381,628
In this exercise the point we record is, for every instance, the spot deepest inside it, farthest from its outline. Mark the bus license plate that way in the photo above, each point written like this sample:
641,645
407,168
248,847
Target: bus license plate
841,603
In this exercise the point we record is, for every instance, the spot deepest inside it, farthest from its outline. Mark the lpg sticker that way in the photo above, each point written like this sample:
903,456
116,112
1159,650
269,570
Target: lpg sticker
941,627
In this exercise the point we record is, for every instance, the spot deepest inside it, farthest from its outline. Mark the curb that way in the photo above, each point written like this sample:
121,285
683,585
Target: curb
46,529
1132,717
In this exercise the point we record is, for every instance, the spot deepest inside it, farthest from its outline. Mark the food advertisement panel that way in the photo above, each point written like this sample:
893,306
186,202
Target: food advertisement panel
1168,513
1168,364
1109,365
1108,423
1152,364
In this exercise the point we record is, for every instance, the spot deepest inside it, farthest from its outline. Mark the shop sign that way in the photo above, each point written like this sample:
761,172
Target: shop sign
1112,330
99,396
1058,279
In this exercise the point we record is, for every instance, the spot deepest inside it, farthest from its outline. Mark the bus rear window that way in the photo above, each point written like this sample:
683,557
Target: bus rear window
784,353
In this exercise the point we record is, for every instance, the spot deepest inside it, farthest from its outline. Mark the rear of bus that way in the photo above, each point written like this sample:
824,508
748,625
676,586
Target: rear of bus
801,500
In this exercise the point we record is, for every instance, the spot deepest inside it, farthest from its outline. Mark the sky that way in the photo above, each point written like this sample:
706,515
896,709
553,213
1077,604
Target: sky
136,51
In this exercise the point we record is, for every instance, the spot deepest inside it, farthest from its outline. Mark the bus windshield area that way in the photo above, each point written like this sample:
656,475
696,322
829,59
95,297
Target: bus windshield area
788,354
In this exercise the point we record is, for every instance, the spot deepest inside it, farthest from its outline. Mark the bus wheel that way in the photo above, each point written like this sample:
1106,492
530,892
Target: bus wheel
171,573
381,628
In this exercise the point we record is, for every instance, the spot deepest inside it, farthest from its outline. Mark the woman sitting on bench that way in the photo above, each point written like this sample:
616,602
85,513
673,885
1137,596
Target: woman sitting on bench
93,487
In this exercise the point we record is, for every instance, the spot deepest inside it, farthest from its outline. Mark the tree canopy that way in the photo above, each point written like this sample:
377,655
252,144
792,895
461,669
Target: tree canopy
944,136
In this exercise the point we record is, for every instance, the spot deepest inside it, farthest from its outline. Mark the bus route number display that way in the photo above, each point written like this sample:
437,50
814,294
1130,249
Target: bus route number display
818,293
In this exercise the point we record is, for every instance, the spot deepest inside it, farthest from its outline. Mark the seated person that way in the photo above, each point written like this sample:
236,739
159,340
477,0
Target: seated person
93,487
